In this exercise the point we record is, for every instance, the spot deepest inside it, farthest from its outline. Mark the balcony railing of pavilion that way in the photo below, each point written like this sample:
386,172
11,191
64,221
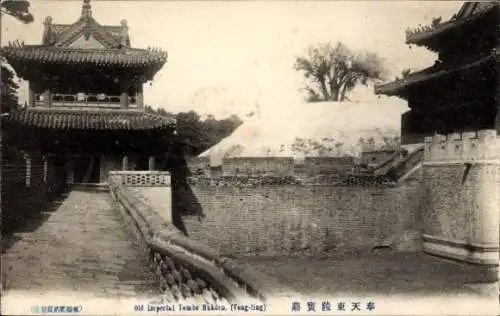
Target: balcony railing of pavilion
90,100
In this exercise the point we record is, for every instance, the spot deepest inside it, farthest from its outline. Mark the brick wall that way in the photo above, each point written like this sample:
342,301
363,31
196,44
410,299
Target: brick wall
461,174
282,219
327,165
258,165
276,166
198,165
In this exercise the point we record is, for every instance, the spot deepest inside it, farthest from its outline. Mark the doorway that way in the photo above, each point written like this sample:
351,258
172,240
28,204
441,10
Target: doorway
87,169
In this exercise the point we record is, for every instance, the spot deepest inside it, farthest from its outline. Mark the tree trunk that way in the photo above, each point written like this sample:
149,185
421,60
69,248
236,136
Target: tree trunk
344,90
334,88
324,90
335,95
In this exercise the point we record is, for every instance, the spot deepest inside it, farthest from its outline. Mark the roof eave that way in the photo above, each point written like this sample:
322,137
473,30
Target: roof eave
391,89
399,87
161,58
423,37
18,117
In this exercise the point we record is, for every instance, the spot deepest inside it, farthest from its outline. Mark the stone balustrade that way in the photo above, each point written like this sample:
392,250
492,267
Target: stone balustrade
186,270
140,178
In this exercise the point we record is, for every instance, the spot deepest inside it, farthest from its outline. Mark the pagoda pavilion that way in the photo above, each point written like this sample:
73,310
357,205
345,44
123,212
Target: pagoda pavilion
457,93
85,106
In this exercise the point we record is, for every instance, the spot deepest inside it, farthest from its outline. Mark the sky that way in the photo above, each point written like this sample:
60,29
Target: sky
231,57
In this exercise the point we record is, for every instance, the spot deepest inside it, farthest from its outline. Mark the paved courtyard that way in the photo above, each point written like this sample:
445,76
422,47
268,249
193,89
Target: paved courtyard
379,273
81,246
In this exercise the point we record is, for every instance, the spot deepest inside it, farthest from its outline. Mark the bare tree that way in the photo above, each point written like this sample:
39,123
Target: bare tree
334,70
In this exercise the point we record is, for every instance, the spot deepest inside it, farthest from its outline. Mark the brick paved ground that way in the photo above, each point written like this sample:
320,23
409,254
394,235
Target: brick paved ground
81,246
375,273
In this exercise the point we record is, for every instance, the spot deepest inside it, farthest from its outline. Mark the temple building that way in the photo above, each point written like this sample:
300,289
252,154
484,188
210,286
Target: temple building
457,93
85,107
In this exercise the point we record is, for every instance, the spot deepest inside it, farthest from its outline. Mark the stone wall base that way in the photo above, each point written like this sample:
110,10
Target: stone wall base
486,255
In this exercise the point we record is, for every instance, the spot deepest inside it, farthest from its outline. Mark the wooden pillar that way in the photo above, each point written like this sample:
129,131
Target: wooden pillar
31,95
27,158
46,97
140,96
151,163
125,163
124,85
103,169
70,169
45,168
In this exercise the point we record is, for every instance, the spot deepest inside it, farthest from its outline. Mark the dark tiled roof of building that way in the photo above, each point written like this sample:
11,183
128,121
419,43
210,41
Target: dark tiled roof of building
89,119
69,33
469,11
121,57
394,88
70,44
113,30
63,35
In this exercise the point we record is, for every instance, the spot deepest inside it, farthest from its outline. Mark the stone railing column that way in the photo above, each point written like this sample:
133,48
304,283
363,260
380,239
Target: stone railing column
125,163
151,163
27,158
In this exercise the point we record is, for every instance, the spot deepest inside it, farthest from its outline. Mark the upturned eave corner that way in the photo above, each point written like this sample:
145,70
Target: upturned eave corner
389,89
470,11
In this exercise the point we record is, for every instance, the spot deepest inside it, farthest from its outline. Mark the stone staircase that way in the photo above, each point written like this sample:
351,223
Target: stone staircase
393,170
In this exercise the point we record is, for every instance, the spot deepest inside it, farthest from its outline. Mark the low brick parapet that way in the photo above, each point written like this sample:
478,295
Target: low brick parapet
363,180
186,269
468,146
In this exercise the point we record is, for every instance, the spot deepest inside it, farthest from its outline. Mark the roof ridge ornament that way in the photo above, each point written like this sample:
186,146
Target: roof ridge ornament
86,9
49,35
124,36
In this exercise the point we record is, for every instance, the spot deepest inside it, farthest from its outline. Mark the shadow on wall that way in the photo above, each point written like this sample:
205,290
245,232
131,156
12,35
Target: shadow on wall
184,201
27,207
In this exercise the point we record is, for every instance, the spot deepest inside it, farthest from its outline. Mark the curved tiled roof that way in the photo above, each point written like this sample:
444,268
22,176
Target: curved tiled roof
89,119
470,11
113,30
122,57
394,88
74,31
63,35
